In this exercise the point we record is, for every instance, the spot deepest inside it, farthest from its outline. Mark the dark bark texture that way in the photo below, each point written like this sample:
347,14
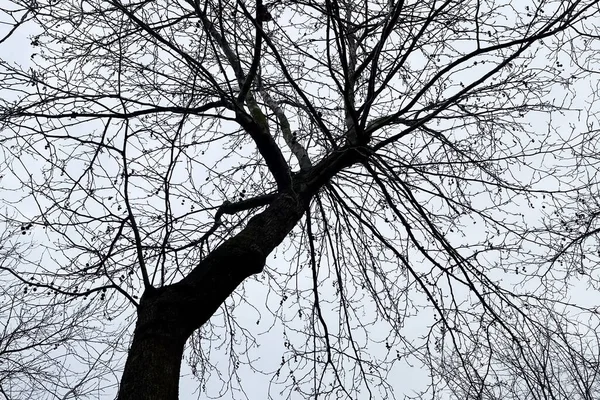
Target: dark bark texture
154,360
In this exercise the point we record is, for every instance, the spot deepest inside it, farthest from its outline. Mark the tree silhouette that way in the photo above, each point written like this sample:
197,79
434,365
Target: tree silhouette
419,166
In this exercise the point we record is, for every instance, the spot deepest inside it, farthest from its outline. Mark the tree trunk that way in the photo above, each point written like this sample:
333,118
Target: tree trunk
154,359
152,368
167,316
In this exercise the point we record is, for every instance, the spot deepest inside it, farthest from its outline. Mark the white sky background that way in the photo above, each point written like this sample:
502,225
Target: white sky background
271,342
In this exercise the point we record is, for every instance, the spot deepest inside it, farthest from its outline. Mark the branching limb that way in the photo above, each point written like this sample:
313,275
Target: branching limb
350,74
268,149
290,139
230,208
255,124
245,88
16,23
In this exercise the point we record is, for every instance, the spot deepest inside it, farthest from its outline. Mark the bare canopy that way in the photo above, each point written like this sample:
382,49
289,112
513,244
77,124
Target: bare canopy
391,185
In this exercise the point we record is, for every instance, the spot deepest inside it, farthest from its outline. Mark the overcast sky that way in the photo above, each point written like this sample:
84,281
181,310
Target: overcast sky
270,337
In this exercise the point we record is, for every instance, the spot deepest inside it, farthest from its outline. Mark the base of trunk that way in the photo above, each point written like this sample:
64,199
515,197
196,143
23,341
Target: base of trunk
154,360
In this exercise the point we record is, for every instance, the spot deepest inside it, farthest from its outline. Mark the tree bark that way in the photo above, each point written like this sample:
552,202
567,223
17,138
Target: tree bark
154,358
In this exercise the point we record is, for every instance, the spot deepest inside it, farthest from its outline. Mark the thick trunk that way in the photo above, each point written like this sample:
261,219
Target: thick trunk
169,315
154,359
152,369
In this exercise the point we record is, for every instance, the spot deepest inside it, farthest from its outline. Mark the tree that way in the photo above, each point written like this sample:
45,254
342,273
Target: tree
407,157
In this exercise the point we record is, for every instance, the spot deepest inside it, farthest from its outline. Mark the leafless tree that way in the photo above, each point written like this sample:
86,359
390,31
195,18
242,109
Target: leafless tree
347,172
